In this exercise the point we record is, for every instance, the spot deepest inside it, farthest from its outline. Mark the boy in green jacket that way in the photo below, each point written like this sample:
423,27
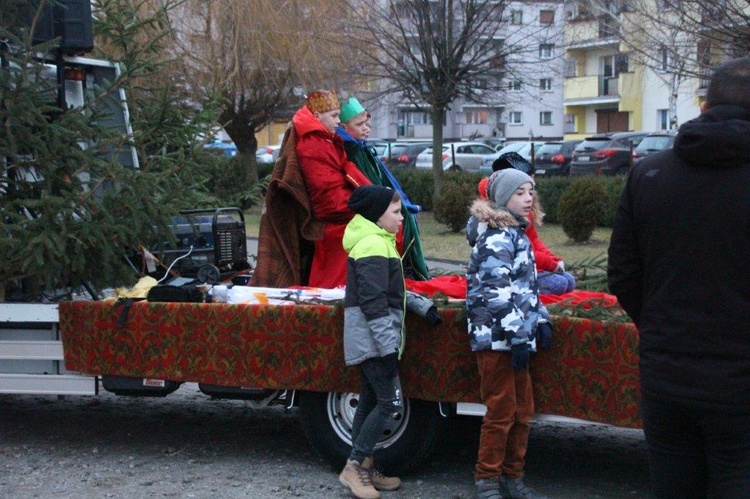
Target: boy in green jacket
374,308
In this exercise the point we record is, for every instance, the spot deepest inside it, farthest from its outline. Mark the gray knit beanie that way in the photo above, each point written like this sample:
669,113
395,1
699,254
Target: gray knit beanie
504,183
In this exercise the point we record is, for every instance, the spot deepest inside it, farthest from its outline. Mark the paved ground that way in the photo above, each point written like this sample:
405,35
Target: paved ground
190,446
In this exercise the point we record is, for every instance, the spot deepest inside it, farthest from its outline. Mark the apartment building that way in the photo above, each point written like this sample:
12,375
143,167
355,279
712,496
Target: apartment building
621,71
526,103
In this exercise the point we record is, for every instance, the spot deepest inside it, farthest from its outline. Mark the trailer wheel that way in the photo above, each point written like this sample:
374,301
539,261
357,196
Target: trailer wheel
405,443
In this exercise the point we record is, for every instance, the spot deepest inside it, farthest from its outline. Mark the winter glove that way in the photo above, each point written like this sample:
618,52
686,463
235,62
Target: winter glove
519,356
432,317
544,335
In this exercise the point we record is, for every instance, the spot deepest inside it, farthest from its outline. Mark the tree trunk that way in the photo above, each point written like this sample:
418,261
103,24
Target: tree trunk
437,148
242,134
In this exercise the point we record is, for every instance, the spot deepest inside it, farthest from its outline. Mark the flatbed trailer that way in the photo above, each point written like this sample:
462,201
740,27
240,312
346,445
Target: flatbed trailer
293,355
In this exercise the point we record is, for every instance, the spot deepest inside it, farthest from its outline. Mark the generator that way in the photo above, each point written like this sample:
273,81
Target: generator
210,244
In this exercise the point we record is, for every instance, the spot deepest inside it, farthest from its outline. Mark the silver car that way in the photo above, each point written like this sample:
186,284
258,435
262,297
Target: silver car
457,156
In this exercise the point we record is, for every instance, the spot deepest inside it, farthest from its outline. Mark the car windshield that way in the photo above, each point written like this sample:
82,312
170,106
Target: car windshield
551,148
381,149
399,149
593,144
655,143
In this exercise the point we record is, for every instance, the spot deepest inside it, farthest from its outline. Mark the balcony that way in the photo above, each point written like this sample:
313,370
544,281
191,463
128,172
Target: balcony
590,33
585,90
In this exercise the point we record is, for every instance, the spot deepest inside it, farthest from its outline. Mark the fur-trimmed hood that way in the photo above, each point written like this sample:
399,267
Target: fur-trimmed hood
495,218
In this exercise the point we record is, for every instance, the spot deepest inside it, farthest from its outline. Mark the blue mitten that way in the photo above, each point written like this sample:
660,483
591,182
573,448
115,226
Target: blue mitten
544,335
519,356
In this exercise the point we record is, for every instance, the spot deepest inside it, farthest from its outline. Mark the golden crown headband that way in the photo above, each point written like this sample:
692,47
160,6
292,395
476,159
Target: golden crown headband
322,101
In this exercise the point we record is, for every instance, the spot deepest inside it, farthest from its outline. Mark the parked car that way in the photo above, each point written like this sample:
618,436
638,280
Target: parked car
382,148
267,154
468,156
404,154
227,149
523,148
605,154
653,142
553,158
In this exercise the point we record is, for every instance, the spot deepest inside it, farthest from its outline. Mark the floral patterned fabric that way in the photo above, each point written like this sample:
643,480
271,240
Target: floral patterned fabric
591,371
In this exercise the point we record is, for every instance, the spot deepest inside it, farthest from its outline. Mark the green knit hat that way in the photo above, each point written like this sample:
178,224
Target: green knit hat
349,109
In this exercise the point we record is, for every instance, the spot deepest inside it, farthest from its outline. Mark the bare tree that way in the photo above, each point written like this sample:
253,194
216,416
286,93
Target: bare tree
259,57
431,52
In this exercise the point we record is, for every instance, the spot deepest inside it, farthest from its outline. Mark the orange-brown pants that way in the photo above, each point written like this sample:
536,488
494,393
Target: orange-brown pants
505,428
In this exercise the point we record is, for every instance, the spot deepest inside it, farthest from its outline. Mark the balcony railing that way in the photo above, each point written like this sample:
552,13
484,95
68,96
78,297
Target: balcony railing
608,86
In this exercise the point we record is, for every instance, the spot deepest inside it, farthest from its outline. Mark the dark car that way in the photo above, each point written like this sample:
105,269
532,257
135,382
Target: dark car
605,154
404,154
553,158
653,142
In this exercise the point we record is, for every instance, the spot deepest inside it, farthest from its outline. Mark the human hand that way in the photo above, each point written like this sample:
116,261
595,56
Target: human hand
519,356
544,335
560,269
433,318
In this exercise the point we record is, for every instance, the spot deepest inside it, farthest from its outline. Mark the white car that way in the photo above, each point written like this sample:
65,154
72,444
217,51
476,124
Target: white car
522,148
267,154
466,156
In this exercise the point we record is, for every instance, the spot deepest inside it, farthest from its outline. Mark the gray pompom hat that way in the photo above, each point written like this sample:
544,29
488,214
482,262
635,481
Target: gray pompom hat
504,183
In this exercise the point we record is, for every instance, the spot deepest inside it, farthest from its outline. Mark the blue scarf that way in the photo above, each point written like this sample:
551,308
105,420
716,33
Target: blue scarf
346,137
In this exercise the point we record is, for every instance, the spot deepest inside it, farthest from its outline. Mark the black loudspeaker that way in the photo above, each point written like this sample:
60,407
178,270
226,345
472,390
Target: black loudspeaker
70,22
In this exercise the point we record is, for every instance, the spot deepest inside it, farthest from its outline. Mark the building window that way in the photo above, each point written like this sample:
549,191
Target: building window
664,60
545,84
477,117
515,118
662,118
514,85
516,17
545,118
546,17
546,50
414,118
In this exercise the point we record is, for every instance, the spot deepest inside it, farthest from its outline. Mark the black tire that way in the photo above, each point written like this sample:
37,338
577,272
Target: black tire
406,443
454,168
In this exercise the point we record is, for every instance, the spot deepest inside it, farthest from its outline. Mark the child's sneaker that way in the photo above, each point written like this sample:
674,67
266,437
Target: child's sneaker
516,489
488,488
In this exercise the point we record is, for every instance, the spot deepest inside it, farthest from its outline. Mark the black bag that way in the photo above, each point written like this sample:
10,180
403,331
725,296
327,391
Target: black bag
170,293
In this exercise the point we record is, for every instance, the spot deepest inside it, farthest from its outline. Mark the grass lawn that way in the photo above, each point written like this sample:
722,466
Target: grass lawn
439,243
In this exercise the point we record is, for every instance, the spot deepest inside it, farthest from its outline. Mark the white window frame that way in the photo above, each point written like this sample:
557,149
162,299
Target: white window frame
662,119
546,50
515,118
543,115
515,85
545,84
516,17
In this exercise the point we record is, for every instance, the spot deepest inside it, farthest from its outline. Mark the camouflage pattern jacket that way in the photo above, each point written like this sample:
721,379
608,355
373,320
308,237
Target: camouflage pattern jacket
502,298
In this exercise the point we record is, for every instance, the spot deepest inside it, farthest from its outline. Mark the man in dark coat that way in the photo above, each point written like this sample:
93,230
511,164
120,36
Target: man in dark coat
678,262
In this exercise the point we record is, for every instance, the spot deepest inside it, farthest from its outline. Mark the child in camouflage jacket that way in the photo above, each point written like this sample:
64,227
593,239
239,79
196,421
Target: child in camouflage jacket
504,316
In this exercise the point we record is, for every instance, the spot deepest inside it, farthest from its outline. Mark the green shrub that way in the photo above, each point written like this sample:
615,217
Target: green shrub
232,183
581,208
418,184
550,189
451,208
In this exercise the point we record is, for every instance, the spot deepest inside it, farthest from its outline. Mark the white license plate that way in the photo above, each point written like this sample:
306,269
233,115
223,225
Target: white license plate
541,172
584,158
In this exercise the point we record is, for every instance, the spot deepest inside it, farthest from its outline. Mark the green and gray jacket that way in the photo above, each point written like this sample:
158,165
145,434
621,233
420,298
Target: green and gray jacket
374,302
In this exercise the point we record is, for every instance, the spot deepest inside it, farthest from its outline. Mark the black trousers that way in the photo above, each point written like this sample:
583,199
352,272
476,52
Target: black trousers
697,453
